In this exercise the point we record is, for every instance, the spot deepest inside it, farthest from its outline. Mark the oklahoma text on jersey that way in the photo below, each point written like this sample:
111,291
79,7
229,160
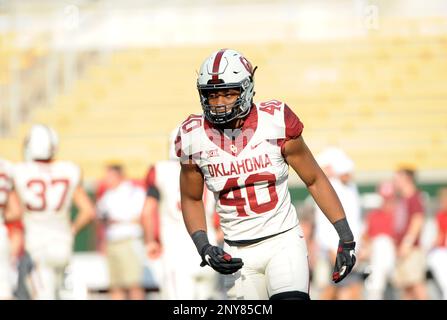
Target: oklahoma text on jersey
245,169
240,166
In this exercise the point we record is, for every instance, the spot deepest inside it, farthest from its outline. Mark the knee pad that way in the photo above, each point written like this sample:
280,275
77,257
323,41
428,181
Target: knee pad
290,295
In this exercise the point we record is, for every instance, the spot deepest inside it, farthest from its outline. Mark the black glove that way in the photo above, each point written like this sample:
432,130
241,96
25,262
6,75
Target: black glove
345,260
219,260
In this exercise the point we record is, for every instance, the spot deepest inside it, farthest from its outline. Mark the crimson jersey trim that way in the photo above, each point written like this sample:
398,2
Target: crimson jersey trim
294,127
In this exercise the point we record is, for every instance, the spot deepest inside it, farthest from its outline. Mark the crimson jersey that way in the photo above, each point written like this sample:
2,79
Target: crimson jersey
245,169
406,209
379,222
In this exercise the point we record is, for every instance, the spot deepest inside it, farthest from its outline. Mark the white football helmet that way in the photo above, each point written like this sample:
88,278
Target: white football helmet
337,160
41,143
226,69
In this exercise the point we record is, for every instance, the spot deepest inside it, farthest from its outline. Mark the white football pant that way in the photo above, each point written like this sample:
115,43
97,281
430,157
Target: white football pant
382,261
437,262
184,279
275,265
48,271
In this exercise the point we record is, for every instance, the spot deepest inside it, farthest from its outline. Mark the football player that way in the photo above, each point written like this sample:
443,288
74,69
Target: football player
45,190
185,280
242,151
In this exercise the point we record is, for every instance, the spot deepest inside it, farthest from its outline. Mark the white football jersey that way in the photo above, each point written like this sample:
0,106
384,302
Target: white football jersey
46,191
165,176
245,169
5,186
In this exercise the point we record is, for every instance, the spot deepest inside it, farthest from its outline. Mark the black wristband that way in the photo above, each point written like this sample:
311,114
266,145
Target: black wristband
153,192
200,239
343,230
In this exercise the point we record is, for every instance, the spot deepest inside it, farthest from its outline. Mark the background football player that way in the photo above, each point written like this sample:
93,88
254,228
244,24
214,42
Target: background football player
182,276
45,189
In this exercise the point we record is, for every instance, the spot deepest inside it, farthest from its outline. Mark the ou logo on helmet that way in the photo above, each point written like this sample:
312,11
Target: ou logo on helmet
246,64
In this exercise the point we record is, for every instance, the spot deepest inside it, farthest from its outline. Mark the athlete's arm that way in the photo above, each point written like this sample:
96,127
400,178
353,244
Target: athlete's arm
414,229
86,209
150,209
298,155
13,210
191,191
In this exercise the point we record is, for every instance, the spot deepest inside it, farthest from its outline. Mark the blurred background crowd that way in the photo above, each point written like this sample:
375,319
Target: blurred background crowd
114,78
